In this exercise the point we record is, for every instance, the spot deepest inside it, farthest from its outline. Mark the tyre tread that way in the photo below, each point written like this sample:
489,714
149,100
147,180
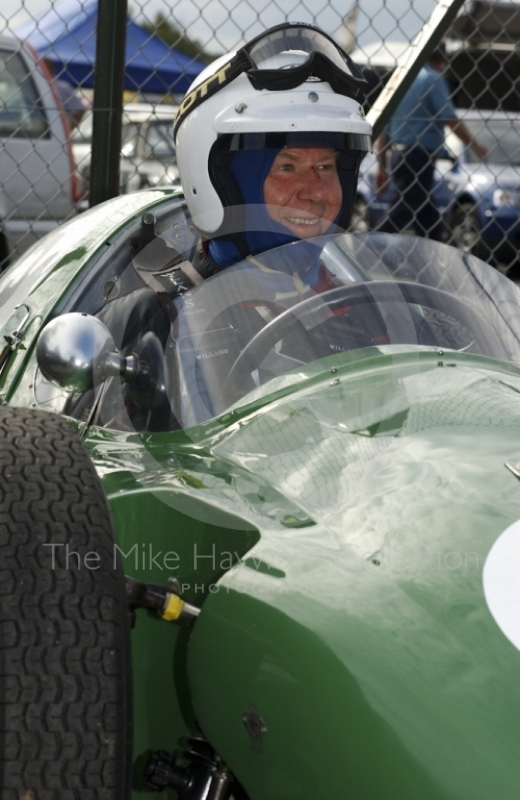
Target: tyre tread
63,629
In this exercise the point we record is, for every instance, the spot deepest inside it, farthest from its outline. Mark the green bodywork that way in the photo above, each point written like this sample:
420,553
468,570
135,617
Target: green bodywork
334,534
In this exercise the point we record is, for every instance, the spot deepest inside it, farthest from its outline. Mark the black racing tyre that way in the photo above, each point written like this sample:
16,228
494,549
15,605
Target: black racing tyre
65,728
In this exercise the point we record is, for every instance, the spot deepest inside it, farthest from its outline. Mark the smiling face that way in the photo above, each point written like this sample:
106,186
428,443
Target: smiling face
302,190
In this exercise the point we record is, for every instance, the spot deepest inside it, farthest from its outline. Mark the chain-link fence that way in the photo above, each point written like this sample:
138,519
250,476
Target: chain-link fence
45,156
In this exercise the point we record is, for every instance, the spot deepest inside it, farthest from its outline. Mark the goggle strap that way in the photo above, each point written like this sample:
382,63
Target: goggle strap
318,65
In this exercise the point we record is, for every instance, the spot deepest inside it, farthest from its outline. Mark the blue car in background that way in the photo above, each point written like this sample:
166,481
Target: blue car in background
479,200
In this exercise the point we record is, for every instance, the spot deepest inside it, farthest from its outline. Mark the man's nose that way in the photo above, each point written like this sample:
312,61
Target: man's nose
311,185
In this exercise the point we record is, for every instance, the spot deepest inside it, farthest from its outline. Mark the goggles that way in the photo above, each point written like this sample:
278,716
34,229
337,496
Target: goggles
325,60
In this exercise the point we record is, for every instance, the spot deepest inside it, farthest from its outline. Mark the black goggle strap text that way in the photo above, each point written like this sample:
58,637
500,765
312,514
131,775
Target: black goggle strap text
227,73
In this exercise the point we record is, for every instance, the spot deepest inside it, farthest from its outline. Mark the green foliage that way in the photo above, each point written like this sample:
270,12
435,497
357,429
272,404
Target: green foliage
174,37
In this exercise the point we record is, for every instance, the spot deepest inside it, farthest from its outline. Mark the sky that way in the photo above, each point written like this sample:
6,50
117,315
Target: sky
221,25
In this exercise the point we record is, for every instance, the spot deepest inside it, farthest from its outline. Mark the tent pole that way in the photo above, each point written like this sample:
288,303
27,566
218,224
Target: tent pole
108,100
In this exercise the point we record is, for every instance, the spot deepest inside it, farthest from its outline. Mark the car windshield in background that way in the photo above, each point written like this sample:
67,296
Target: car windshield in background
148,156
501,139
21,112
157,134
159,141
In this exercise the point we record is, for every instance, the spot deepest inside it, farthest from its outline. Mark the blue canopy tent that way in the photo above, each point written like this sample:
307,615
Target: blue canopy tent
66,35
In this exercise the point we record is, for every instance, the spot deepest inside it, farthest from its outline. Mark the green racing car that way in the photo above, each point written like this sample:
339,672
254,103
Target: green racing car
256,546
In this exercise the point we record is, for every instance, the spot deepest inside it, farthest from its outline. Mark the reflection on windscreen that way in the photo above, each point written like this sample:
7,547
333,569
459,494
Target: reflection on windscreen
254,328
250,325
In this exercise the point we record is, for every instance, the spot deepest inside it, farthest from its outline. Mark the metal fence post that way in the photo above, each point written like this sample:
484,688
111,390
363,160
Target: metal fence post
108,99
417,54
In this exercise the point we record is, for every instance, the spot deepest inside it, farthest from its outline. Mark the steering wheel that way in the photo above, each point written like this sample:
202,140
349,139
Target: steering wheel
304,315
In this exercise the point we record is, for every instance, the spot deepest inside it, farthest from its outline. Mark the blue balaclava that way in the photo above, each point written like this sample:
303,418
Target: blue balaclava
250,168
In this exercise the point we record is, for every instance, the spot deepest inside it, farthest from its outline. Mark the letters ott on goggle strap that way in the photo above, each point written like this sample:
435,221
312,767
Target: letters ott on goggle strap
325,61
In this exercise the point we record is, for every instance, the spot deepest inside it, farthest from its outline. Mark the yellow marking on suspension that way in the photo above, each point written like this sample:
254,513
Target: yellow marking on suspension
173,608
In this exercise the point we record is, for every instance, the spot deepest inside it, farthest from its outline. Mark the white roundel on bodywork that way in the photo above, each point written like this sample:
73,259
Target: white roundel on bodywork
501,578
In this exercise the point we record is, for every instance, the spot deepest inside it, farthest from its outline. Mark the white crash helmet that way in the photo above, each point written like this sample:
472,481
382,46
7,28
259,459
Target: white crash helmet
292,83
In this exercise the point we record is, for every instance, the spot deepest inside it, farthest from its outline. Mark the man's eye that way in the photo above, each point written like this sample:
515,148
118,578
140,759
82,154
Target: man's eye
287,167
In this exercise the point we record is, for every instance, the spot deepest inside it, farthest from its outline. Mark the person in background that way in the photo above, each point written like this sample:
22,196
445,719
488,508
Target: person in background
73,105
411,142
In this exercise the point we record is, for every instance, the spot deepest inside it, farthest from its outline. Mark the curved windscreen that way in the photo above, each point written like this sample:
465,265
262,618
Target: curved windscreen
250,328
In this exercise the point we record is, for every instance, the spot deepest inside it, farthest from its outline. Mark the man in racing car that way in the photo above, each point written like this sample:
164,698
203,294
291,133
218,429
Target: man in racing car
269,142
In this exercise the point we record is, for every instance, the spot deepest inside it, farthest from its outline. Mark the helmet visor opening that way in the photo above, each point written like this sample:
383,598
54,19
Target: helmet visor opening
275,140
